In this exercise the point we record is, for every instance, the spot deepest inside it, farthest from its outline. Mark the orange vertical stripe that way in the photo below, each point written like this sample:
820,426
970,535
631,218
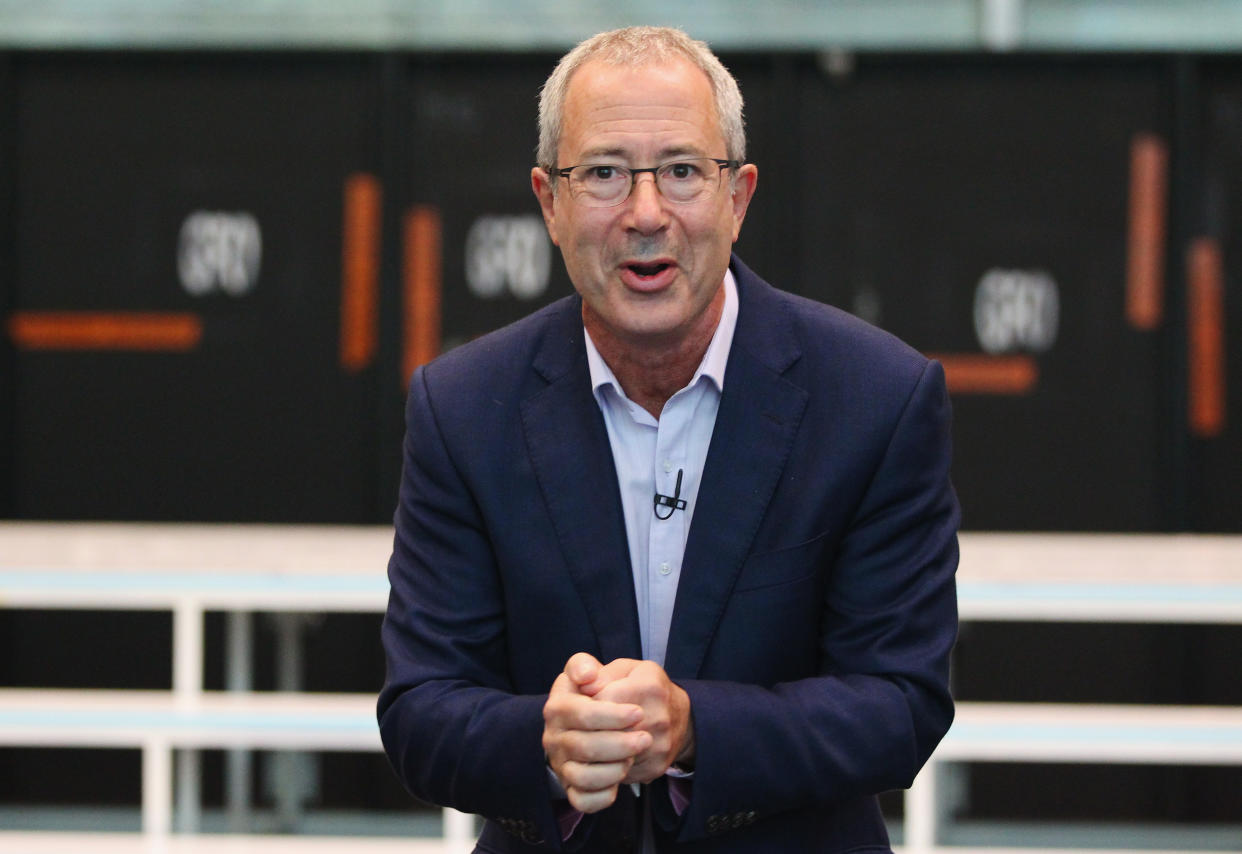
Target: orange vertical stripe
360,260
1149,164
971,373
96,330
1206,320
422,275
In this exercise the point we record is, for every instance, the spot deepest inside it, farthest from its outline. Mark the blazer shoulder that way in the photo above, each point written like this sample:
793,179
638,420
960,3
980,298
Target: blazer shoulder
816,336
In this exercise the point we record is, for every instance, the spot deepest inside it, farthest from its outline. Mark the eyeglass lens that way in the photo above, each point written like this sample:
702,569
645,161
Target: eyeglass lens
680,181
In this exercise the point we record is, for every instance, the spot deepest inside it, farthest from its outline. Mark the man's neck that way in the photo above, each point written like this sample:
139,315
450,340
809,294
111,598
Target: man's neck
650,372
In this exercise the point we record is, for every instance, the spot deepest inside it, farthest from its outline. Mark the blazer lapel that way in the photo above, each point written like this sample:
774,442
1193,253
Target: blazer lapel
758,418
572,460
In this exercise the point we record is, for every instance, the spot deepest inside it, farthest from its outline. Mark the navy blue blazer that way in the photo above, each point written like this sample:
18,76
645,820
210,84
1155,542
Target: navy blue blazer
814,617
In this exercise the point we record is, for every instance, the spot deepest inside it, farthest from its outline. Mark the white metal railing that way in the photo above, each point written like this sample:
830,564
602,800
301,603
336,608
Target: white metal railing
190,569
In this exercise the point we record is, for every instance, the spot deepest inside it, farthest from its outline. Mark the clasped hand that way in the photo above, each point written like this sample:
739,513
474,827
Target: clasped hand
608,724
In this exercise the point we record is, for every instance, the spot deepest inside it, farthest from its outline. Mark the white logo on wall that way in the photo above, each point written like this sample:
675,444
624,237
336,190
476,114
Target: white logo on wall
508,253
1017,310
219,251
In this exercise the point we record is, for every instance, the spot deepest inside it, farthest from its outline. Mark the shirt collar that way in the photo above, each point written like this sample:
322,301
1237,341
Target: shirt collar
714,360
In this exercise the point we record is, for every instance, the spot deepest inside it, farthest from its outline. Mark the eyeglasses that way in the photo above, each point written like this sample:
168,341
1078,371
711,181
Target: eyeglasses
603,185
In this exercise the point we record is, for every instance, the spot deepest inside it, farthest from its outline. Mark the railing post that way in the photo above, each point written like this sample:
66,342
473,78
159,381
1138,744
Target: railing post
920,821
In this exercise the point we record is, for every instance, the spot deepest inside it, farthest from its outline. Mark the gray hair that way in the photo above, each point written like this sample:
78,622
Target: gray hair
637,46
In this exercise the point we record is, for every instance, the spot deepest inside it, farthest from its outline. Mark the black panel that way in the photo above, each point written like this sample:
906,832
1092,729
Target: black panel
1173,798
1063,662
475,132
932,173
8,179
1217,460
126,649
62,776
772,87
260,422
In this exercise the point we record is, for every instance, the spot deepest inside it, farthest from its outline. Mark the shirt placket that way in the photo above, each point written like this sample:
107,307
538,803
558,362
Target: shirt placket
667,538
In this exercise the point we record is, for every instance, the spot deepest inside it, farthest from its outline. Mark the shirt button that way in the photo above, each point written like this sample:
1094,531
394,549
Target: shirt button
665,569
668,465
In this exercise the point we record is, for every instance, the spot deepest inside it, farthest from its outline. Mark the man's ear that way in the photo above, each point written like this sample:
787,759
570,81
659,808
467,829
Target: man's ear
541,184
744,183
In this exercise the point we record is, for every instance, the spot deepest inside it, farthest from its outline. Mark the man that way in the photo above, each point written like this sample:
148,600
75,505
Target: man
674,557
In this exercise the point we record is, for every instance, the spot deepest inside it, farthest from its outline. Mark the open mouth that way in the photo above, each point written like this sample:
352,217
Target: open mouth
648,271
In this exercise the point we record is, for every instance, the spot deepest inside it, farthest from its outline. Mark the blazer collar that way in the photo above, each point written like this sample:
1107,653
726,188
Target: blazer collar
572,460
760,411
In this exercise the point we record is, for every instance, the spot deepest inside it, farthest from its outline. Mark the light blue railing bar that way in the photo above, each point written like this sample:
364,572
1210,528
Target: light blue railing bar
531,25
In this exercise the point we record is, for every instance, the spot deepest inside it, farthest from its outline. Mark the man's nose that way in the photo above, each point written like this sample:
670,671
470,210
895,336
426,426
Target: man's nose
646,203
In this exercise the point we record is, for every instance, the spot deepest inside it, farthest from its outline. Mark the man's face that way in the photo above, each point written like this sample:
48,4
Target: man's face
647,269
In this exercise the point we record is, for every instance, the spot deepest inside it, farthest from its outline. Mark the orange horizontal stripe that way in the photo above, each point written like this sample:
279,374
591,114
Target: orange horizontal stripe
92,330
974,373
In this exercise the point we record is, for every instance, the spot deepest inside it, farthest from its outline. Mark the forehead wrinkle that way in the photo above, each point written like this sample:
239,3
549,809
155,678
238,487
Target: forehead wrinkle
643,108
662,155
621,138
606,118
609,115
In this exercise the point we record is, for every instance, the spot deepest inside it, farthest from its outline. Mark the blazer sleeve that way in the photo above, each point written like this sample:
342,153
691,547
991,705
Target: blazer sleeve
879,705
454,730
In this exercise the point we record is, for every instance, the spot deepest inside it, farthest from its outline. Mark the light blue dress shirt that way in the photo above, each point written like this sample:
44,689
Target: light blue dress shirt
648,455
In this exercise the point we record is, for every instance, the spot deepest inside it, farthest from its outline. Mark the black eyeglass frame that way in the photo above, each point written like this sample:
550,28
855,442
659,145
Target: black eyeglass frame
563,171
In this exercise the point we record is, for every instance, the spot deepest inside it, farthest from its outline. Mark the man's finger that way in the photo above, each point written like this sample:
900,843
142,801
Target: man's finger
582,668
573,712
593,776
606,716
590,802
605,746
603,675
645,769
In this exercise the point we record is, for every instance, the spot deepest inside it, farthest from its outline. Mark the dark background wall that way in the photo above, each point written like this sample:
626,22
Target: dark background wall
319,222
914,190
